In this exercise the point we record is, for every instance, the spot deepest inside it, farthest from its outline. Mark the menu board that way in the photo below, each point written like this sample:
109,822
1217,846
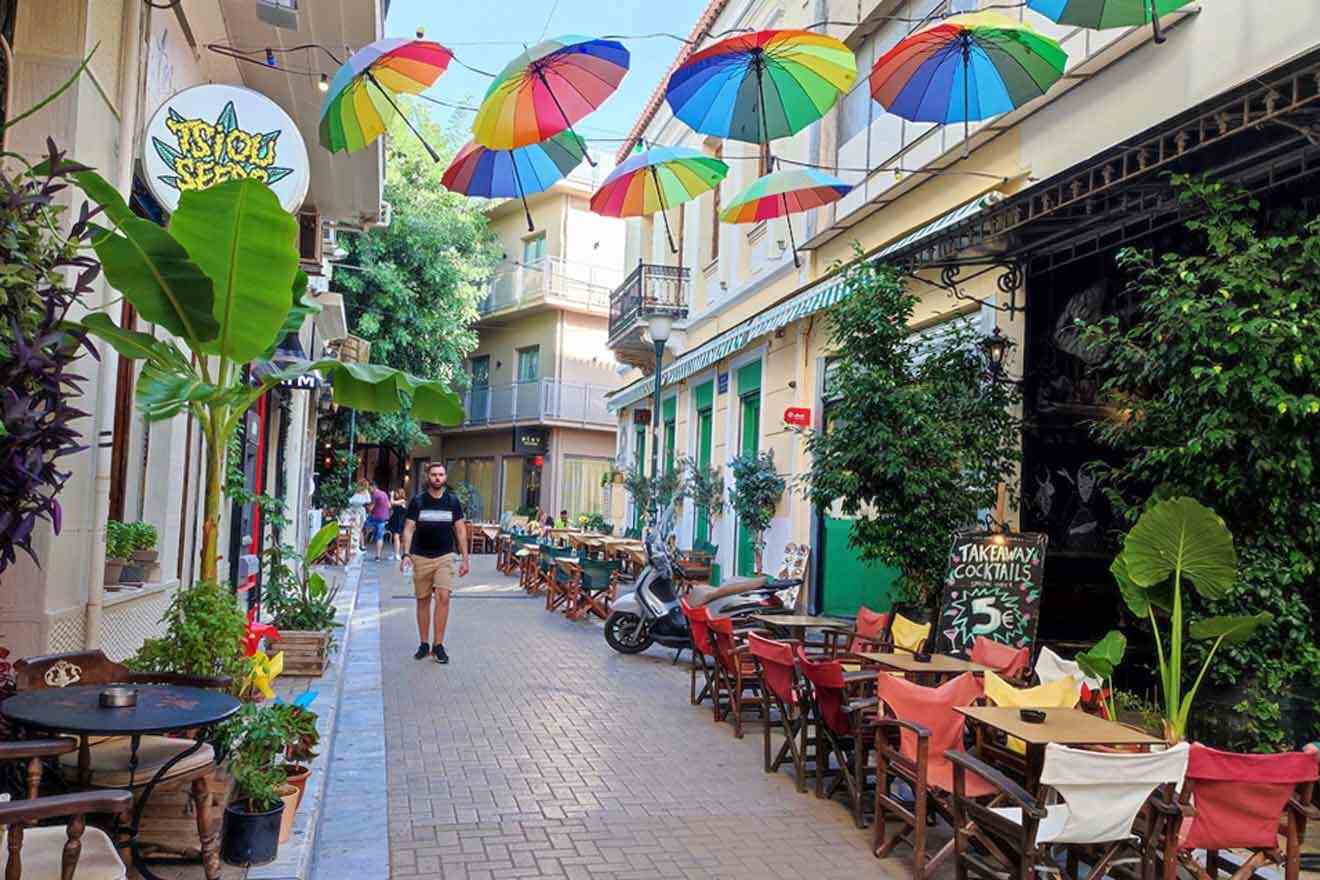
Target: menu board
992,589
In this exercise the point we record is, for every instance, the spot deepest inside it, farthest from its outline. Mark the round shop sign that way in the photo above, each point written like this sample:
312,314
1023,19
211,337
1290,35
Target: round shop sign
212,133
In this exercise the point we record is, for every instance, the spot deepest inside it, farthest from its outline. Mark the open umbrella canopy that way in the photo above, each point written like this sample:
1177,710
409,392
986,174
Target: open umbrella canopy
546,89
762,86
359,104
784,192
507,174
966,67
1101,14
656,180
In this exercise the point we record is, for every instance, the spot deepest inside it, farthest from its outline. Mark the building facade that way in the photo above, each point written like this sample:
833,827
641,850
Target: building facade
537,433
152,472
1019,235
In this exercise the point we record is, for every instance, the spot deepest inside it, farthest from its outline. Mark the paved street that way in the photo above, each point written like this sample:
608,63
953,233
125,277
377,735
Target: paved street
539,752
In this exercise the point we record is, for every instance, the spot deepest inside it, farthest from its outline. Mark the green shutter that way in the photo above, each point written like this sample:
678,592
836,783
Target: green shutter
669,410
749,378
704,395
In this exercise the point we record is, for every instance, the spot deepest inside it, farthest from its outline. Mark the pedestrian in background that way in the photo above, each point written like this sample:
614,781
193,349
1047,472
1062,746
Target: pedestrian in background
433,532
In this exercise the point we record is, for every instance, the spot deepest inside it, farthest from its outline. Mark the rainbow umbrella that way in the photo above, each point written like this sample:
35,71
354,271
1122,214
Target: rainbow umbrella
762,86
505,174
967,67
546,89
1108,13
359,104
657,180
781,193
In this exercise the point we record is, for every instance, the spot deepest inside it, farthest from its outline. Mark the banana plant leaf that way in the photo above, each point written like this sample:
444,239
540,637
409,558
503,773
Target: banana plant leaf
321,542
1103,657
1234,629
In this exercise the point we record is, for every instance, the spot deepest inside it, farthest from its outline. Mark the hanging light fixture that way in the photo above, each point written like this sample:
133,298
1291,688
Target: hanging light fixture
324,84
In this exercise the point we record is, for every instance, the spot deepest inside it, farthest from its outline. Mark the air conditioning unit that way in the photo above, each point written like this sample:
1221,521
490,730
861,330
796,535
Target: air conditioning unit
278,13
310,247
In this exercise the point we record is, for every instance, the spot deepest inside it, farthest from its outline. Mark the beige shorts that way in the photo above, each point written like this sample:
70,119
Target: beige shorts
431,574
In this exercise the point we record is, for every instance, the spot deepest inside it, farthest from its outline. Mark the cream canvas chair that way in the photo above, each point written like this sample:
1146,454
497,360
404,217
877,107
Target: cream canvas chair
1051,667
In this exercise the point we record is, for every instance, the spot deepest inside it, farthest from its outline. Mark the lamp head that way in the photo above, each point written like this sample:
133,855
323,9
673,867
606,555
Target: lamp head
995,347
659,327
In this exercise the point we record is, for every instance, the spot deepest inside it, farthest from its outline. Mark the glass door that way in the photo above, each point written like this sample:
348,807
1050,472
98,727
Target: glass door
480,394
749,436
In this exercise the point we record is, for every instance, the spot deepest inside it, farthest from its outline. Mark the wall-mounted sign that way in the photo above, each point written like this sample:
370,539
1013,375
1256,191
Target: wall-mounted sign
641,417
722,383
798,416
304,382
992,589
529,440
212,133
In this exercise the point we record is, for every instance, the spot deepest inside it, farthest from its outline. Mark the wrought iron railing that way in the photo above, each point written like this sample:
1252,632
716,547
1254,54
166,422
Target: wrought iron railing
538,400
577,283
650,289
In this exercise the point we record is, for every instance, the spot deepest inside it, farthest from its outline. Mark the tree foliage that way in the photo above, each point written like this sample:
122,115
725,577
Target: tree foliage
926,435
1219,370
757,489
412,288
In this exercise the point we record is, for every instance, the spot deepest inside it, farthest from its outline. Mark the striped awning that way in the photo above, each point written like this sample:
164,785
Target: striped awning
820,295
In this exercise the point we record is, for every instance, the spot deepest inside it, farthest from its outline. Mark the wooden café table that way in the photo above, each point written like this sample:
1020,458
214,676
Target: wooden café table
1068,727
796,625
938,668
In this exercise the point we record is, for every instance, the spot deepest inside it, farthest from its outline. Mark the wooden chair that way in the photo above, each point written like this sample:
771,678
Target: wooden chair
844,728
703,650
105,762
1258,804
554,578
738,682
928,727
1010,662
908,635
1103,795
870,632
1010,751
781,692
71,850
592,588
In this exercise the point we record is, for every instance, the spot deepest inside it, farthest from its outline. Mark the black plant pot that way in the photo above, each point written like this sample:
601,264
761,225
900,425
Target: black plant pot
249,839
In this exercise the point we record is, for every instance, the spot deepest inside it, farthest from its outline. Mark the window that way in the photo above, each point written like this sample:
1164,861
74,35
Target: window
583,493
529,364
481,371
477,476
533,250
718,152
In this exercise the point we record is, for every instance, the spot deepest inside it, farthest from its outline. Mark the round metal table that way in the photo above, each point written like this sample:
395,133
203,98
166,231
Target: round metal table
160,709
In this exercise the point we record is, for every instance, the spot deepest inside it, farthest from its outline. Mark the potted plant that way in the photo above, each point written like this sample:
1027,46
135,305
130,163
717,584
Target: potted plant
250,834
300,740
757,488
204,630
301,604
144,538
118,545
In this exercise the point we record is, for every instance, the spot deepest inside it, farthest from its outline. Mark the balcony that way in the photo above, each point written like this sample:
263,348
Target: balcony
553,281
544,400
649,290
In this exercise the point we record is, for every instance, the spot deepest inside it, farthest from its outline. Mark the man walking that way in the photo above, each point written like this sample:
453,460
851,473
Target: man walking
433,531
378,514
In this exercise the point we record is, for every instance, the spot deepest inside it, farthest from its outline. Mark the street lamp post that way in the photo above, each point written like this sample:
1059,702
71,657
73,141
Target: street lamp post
658,326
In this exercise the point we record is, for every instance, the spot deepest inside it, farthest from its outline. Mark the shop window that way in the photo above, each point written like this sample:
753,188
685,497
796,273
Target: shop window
582,492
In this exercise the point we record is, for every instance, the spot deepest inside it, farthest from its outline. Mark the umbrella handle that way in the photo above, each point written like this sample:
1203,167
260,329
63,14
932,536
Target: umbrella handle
660,195
797,264
551,92
1155,22
435,157
517,181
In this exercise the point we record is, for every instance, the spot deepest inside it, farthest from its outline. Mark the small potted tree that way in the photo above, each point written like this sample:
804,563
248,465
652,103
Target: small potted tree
250,834
301,604
118,546
300,740
757,488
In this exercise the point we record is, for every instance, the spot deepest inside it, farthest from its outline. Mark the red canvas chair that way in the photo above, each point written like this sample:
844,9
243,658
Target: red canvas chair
1006,660
1258,803
844,728
739,681
870,632
928,727
703,650
779,674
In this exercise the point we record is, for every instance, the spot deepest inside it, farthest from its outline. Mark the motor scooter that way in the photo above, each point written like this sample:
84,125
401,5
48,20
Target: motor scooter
651,614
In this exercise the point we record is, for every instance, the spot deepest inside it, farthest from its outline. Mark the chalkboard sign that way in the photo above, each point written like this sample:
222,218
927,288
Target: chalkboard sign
992,589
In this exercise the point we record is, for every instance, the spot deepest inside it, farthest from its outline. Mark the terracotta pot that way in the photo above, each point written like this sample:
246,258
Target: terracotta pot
297,775
145,555
289,795
113,568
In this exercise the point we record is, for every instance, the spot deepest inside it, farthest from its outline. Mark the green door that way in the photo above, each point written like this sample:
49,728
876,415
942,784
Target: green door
844,581
749,433
669,414
705,422
640,446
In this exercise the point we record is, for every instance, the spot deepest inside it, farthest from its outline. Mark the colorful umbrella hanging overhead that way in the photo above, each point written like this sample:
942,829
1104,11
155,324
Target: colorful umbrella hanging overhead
548,88
656,180
359,104
506,174
1099,14
759,87
966,67
781,193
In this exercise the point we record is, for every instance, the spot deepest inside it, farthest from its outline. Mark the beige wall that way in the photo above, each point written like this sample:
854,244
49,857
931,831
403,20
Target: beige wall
502,344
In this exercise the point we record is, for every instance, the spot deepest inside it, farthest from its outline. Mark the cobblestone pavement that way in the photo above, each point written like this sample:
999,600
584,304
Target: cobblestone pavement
539,752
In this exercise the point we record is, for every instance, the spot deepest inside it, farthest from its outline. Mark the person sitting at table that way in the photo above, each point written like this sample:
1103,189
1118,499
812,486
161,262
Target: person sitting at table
563,519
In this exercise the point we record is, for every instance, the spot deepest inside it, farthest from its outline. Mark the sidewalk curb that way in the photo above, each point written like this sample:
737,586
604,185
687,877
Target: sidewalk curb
295,856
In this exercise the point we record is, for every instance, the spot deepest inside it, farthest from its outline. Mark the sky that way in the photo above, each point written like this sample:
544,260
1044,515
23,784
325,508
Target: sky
488,33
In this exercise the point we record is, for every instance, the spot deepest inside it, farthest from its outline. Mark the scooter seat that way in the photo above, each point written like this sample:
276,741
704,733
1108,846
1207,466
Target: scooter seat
703,594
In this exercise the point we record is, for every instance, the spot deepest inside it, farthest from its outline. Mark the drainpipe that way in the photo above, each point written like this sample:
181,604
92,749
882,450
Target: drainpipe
129,82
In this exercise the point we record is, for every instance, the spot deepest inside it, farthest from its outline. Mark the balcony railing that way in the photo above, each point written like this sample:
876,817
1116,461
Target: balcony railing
551,277
649,290
539,400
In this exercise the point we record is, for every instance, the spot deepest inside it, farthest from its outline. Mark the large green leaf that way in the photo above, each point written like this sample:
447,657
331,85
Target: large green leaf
163,394
368,387
1234,629
433,402
1103,657
241,237
133,344
301,307
1182,534
321,541
99,190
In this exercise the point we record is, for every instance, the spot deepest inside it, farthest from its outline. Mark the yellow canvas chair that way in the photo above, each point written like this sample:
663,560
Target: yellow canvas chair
1062,693
909,635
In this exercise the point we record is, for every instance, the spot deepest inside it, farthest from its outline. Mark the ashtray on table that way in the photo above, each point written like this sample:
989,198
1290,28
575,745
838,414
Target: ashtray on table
118,697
